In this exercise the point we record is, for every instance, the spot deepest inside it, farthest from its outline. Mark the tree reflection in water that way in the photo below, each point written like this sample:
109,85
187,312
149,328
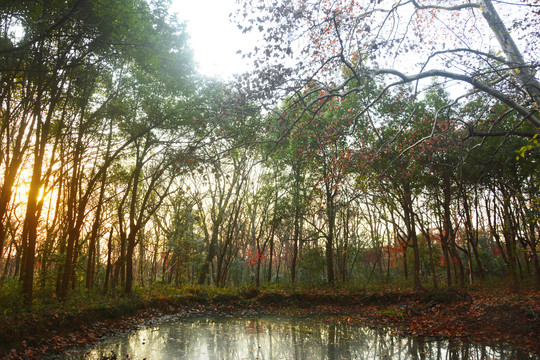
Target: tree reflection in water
228,338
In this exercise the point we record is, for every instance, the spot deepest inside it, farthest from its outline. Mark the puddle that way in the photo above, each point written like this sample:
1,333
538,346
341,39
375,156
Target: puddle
272,337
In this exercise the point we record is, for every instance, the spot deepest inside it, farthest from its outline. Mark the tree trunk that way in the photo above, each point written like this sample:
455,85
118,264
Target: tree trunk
412,238
129,261
32,210
212,249
523,73
329,251
109,261
296,238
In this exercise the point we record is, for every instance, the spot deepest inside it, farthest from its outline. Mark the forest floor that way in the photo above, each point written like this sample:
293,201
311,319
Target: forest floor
508,317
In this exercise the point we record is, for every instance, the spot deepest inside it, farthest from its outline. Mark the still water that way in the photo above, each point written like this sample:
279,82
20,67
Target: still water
272,337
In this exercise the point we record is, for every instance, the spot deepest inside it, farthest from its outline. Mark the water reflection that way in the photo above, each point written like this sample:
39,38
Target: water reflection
281,338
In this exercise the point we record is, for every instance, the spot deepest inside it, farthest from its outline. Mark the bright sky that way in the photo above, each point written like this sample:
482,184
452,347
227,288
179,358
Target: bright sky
214,39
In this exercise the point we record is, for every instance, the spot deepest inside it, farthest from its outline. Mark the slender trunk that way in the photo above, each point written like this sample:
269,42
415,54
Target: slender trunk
133,225
76,253
296,237
121,262
448,264
271,255
92,249
344,253
472,237
129,262
5,196
91,260
449,234
75,217
432,264
405,268
109,261
32,208
428,238
297,220
213,241
509,236
329,251
212,249
258,272
19,145
411,233
534,256
140,265
72,239
6,265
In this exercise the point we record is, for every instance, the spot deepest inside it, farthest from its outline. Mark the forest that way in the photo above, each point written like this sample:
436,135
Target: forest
372,145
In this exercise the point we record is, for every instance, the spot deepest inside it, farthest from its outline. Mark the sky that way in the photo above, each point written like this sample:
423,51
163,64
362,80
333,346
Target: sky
214,39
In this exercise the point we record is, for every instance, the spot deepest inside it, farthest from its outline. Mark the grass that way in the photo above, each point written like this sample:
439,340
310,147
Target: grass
160,294
84,308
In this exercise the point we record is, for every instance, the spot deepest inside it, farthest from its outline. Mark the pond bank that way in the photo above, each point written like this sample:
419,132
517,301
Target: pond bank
508,317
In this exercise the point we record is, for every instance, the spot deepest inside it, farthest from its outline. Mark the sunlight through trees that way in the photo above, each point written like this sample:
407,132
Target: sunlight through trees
375,143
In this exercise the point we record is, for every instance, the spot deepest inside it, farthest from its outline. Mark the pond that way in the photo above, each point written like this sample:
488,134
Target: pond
273,337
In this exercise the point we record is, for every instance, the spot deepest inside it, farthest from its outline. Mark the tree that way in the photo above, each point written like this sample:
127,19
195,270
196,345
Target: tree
65,65
338,49
405,42
225,192
286,156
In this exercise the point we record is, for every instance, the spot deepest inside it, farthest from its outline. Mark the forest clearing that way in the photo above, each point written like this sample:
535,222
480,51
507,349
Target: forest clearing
377,161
